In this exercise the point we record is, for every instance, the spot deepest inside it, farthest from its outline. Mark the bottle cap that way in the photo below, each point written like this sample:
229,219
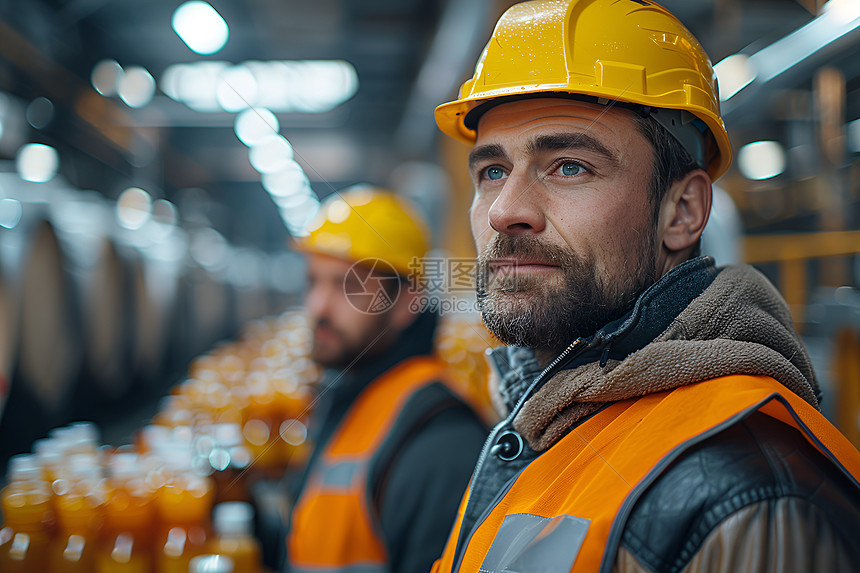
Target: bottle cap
85,431
124,464
233,518
211,564
24,466
228,434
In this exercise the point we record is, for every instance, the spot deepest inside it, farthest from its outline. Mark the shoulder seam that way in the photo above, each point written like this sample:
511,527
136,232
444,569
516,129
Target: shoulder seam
719,513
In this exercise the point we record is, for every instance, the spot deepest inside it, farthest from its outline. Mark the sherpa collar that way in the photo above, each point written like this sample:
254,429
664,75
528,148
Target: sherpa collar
694,324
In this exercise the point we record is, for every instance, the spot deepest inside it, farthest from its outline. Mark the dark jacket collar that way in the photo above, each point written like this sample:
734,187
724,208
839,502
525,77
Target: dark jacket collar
652,313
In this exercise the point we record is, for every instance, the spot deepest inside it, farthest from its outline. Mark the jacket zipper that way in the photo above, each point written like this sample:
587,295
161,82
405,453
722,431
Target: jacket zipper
562,357
564,354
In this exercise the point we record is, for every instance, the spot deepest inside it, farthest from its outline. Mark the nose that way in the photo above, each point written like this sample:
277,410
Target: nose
515,210
317,300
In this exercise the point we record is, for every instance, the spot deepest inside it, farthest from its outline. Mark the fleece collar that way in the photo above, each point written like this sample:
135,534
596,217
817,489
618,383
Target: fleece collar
696,323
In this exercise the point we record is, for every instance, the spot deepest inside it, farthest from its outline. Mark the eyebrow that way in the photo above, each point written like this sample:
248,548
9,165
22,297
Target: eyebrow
544,143
556,142
491,151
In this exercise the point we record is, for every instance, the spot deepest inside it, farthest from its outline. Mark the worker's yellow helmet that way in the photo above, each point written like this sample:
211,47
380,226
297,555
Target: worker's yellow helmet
365,222
631,51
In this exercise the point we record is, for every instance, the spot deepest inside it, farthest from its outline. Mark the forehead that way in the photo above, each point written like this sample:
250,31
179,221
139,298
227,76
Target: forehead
326,265
523,119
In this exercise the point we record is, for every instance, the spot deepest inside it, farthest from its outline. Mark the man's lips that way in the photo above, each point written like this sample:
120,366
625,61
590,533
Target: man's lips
521,266
325,333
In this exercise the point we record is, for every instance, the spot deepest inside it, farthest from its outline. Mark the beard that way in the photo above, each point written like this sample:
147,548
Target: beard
334,348
547,315
336,351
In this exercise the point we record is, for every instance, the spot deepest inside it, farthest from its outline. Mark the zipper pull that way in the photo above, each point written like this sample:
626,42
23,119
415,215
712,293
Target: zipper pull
604,356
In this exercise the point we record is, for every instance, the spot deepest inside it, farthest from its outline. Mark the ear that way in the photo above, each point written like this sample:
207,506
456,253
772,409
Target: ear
683,215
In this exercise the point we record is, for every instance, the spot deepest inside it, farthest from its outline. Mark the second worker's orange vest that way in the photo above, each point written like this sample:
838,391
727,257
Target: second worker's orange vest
565,511
334,525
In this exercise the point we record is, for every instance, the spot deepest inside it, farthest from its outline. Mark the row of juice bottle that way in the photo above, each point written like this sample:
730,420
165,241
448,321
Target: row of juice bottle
264,381
81,508
73,505
147,508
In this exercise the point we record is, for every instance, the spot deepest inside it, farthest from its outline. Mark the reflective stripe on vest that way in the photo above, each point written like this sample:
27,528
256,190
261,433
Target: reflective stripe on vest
334,525
566,510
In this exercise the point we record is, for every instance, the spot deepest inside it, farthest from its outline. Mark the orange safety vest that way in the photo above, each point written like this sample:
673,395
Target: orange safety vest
566,510
334,524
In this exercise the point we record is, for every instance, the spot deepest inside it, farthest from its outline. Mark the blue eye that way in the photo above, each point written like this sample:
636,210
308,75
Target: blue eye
571,168
494,173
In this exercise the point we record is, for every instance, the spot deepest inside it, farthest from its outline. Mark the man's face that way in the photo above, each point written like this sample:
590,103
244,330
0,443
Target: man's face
342,334
561,219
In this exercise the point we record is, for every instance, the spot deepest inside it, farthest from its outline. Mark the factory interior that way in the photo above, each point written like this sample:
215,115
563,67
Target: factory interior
154,178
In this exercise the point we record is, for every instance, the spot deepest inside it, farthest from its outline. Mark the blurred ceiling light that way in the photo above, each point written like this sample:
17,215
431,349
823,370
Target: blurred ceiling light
271,154
164,218
209,248
761,160
253,125
326,85
299,215
843,11
338,211
195,85
40,112
136,87
10,212
105,77
734,73
274,79
201,27
289,180
294,200
37,162
297,196
281,86
360,195
237,89
853,134
164,212
171,80
134,208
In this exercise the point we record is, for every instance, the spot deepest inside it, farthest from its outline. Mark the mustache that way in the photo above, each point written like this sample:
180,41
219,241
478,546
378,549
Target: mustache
506,247
325,323
507,250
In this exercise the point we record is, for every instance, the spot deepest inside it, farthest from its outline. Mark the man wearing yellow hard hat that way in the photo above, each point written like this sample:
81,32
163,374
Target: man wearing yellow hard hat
661,413
393,445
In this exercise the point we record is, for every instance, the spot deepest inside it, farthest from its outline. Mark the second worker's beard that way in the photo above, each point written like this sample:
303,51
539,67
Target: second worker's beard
547,314
332,347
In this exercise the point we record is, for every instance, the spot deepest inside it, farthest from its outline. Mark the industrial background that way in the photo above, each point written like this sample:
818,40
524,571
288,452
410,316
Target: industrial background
150,184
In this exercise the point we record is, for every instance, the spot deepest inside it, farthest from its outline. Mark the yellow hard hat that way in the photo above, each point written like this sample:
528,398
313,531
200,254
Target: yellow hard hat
365,222
631,51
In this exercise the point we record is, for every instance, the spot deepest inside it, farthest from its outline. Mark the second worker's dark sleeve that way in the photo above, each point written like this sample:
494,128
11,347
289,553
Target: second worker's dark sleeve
424,485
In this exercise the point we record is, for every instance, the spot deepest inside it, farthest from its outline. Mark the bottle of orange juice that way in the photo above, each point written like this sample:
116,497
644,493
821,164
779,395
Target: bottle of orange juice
229,458
78,502
126,541
184,505
26,503
49,452
234,536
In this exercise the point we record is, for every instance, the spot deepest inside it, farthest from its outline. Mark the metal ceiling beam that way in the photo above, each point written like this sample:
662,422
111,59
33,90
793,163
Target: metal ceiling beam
461,33
794,59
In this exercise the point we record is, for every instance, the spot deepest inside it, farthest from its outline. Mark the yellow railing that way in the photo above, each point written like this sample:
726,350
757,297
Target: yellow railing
791,252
